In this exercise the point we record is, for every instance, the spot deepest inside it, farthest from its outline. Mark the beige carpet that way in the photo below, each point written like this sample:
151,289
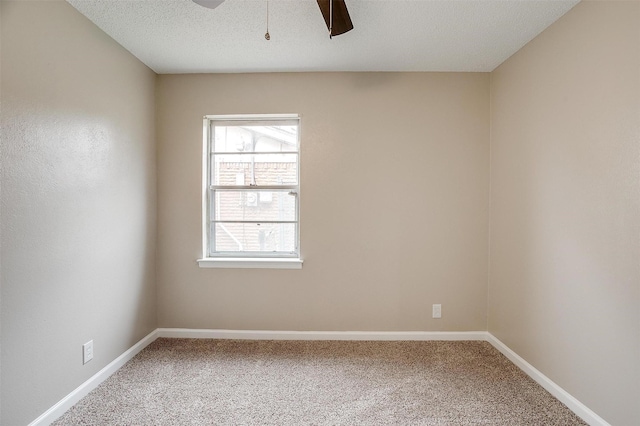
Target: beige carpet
236,382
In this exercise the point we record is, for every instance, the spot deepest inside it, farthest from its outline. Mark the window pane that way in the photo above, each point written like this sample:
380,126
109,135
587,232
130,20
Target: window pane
254,152
251,138
255,237
255,169
253,205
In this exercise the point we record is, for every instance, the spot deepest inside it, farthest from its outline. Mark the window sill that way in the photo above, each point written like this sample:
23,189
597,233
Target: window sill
256,263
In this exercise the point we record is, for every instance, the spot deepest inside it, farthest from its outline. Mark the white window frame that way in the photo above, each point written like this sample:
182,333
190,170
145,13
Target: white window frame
209,259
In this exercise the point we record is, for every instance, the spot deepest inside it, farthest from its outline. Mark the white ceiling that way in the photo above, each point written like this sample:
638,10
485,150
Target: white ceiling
179,36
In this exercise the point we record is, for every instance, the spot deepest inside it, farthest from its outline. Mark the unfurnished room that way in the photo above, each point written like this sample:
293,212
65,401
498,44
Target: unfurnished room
319,212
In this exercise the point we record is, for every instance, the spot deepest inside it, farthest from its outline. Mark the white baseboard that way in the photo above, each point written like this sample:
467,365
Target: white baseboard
81,391
563,396
186,333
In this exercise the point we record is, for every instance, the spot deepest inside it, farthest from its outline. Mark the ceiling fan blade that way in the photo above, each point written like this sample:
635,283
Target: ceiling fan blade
211,4
341,19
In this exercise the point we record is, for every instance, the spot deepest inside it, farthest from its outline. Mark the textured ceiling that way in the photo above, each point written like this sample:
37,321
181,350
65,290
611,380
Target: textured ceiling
179,36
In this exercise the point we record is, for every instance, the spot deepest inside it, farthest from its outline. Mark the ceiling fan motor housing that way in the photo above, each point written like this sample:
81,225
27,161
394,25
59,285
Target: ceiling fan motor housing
211,4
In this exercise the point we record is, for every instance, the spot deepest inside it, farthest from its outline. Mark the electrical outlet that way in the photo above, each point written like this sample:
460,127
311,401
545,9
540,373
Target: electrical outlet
436,311
87,352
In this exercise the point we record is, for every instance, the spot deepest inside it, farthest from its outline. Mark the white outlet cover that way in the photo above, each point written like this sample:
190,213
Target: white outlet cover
437,311
87,352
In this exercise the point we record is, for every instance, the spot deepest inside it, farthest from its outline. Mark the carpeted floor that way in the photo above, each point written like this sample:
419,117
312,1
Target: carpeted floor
239,382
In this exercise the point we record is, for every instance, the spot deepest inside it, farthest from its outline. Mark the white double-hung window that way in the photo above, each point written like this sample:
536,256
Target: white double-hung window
251,191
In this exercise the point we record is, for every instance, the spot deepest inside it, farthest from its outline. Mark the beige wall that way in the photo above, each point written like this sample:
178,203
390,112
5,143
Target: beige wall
1,145
394,201
564,287
78,203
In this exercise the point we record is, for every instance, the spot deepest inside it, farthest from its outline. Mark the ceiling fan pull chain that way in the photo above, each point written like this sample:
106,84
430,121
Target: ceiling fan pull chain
266,35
